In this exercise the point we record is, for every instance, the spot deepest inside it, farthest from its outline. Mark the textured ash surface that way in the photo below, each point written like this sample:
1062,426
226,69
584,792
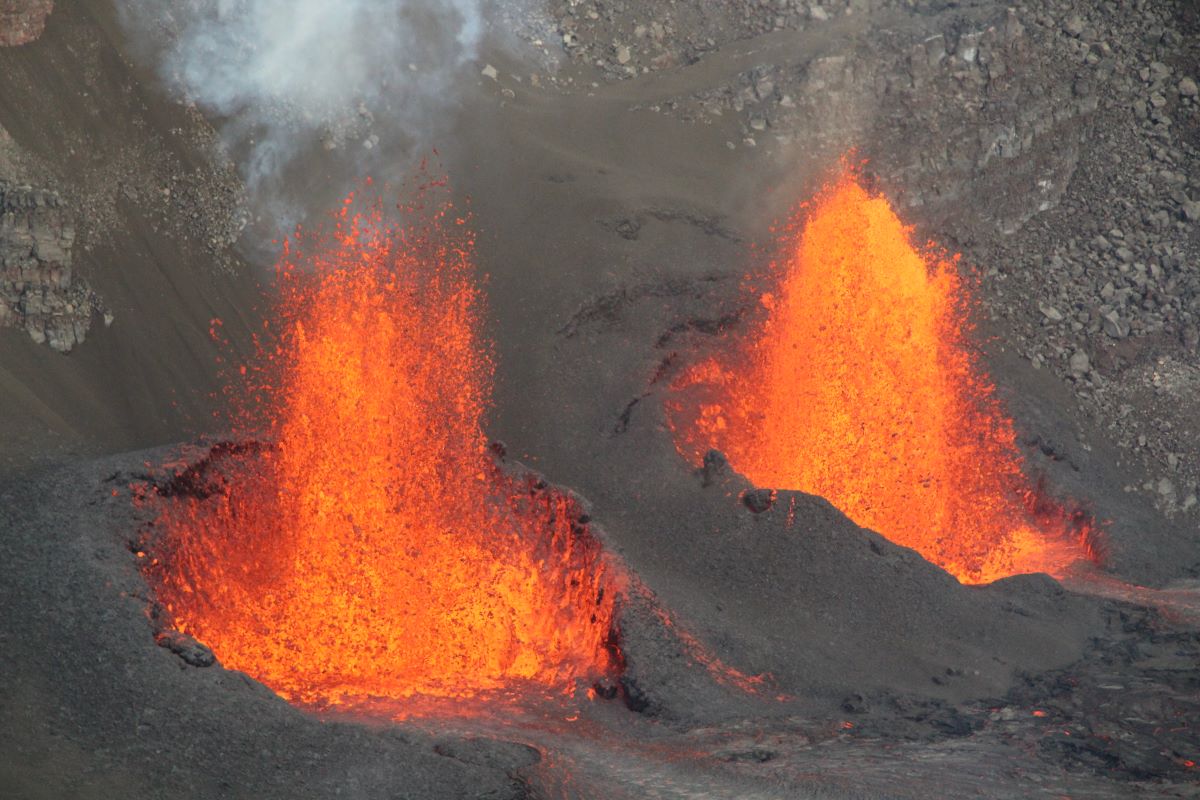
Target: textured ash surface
623,167
93,708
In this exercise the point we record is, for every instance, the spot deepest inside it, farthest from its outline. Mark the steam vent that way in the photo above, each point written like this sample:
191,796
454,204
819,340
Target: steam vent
577,400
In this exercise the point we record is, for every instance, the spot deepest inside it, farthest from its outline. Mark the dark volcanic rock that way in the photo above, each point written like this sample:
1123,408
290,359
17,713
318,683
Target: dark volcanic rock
714,468
758,500
187,648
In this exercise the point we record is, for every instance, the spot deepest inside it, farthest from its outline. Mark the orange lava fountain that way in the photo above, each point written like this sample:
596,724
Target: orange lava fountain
375,549
860,386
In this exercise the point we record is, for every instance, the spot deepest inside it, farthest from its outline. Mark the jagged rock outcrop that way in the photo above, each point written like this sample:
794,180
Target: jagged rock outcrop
22,21
39,291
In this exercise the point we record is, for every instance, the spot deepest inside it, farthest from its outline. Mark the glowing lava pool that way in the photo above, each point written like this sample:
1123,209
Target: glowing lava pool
859,385
373,548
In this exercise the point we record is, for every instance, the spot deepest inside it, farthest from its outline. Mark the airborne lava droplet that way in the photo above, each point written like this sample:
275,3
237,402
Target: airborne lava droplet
374,549
859,386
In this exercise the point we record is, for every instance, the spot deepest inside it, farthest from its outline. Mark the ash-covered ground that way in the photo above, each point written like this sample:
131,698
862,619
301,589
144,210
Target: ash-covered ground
623,163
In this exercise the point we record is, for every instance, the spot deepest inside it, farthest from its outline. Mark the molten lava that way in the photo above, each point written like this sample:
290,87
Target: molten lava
859,386
374,548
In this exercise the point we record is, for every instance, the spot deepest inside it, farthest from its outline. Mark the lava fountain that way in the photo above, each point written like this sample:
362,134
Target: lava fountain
373,548
859,385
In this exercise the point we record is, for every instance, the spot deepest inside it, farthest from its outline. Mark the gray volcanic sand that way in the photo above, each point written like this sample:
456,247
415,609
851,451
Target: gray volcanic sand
614,238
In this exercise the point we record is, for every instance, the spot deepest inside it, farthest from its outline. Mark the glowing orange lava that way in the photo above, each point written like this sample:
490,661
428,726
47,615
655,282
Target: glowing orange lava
859,386
374,548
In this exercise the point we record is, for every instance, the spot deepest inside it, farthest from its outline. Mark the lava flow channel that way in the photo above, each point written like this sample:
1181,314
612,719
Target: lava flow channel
373,549
859,385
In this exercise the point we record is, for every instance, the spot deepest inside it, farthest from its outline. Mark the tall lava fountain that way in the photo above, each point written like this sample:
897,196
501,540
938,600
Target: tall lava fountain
372,547
859,386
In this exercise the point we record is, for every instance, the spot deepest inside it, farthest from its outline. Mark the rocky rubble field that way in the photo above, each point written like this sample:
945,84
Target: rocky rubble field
1054,144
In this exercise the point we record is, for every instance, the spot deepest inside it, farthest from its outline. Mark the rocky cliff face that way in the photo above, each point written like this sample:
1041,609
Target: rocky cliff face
22,21
39,292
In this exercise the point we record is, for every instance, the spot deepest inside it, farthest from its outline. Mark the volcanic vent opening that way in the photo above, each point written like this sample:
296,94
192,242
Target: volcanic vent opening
859,385
372,549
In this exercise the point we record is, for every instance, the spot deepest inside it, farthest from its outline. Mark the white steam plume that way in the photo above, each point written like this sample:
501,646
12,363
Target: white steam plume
287,76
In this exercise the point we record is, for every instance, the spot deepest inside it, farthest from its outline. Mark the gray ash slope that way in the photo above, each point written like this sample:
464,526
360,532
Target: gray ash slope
805,603
616,216
882,675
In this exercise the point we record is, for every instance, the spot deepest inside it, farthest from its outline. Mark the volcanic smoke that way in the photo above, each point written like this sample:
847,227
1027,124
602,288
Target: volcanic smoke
859,386
372,548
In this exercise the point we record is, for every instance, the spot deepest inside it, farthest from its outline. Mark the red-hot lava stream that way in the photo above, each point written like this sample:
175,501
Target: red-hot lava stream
859,385
373,549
